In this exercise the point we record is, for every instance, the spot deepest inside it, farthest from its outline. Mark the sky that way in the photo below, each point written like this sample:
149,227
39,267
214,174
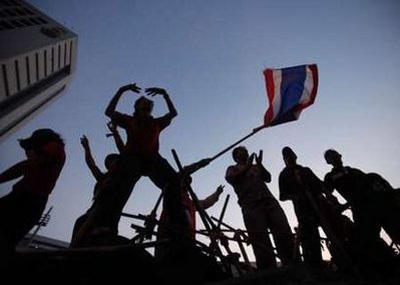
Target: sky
209,56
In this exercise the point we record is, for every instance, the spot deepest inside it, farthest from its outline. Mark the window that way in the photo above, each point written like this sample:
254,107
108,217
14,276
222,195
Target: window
45,63
28,75
17,75
4,70
37,65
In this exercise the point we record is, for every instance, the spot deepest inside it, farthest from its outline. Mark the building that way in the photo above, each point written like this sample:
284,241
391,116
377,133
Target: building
37,58
41,242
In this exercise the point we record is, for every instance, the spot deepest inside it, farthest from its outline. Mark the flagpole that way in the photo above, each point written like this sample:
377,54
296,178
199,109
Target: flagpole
256,130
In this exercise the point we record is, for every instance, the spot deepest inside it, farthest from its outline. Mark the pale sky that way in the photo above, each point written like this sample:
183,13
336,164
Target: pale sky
210,55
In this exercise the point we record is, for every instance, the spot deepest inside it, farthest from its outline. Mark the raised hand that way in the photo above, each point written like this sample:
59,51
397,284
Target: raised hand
153,91
133,87
251,158
85,142
259,158
220,189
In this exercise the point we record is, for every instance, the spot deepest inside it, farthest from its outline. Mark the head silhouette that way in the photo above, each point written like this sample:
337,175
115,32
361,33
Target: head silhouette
38,139
289,157
240,155
333,158
143,107
110,161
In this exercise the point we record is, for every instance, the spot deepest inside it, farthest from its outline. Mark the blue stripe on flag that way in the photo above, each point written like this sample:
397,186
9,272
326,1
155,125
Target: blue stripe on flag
292,87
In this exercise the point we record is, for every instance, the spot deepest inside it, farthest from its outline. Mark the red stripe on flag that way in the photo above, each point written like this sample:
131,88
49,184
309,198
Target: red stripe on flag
314,72
269,81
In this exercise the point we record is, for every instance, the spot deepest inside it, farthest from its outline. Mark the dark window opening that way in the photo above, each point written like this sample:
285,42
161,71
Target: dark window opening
17,75
59,56
65,54
70,52
28,73
45,62
37,66
52,60
3,67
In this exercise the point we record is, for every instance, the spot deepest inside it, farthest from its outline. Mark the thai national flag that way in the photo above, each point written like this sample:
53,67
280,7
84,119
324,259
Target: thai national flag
290,90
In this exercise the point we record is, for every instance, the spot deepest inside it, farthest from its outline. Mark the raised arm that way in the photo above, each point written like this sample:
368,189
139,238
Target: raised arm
191,168
153,91
13,172
117,137
90,160
110,110
212,199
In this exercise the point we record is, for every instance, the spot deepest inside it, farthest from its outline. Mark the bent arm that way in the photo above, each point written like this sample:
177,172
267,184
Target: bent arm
13,172
211,200
172,113
114,101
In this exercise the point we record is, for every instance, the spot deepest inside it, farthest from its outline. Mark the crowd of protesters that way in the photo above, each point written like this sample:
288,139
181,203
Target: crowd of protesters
373,202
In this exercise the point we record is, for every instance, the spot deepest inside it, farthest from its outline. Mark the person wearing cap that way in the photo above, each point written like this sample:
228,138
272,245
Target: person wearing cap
261,211
294,181
22,208
141,153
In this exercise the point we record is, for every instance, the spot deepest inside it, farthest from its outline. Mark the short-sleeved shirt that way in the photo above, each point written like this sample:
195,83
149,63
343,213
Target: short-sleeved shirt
251,187
142,134
40,177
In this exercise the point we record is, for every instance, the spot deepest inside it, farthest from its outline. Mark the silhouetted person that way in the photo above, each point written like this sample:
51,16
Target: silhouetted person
294,180
102,182
353,185
261,211
141,154
387,205
190,211
21,209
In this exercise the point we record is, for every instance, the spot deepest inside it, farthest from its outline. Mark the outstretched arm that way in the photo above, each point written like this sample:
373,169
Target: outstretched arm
191,168
90,160
13,172
172,113
212,199
117,137
110,110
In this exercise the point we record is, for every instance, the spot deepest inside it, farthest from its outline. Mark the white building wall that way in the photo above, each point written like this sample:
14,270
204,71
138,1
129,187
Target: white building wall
35,63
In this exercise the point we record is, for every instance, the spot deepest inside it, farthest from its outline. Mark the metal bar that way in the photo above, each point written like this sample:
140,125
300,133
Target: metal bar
221,216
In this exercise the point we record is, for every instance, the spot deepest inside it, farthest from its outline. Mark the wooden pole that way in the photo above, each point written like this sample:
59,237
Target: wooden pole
256,130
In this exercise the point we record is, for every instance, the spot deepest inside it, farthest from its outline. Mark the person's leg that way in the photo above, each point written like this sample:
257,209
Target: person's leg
309,236
283,236
167,179
256,225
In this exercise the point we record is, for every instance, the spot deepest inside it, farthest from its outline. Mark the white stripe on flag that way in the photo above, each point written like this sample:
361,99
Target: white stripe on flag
308,85
276,102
